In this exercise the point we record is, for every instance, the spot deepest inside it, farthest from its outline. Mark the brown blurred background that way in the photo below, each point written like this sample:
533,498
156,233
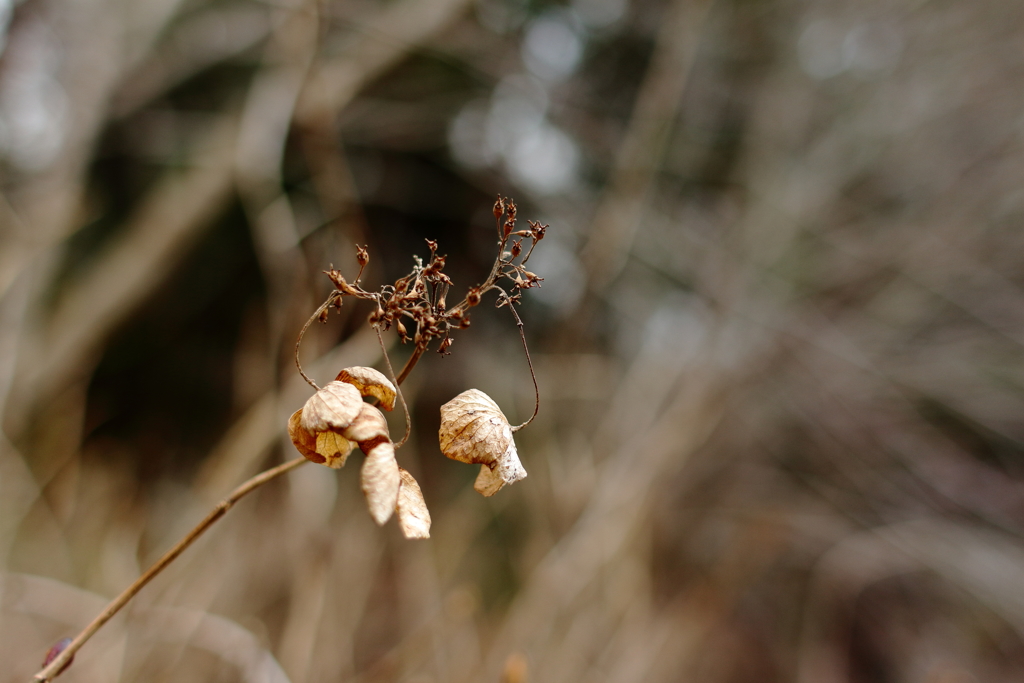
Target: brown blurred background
778,342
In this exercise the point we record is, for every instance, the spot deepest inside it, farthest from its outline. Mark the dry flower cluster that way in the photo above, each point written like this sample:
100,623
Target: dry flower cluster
341,415
473,430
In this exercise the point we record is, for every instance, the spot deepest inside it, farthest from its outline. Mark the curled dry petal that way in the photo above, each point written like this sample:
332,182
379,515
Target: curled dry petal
370,382
332,408
368,425
474,430
413,516
324,448
381,481
305,442
334,448
505,470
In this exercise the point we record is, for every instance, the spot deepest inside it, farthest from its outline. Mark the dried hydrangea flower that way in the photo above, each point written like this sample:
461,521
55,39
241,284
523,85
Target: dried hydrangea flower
474,430
336,419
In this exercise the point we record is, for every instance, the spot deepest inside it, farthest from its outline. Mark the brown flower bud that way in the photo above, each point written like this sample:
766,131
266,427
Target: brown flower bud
499,207
473,298
63,643
370,382
362,256
474,430
517,248
413,516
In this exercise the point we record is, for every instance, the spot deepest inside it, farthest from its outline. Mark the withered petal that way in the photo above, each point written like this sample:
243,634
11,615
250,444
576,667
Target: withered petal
381,481
369,424
505,470
332,408
370,382
413,516
473,428
305,443
334,448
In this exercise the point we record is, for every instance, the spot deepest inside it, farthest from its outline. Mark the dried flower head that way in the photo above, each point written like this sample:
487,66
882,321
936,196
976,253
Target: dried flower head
336,419
474,430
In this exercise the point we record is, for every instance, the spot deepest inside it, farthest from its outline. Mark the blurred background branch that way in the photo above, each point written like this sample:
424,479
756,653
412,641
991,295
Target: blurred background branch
778,340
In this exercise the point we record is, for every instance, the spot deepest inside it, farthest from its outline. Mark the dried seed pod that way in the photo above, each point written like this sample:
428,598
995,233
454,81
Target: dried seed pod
413,516
332,408
380,480
370,382
474,430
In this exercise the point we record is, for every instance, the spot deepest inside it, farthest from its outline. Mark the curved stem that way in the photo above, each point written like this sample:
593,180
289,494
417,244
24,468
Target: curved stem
50,671
533,375
398,389
302,333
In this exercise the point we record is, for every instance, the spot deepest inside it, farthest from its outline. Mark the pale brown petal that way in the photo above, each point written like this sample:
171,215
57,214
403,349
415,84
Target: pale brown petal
413,516
370,382
487,482
381,481
332,408
305,442
368,425
473,428
506,469
334,448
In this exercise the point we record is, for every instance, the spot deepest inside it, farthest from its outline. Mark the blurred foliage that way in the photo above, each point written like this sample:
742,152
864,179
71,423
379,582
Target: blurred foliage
778,340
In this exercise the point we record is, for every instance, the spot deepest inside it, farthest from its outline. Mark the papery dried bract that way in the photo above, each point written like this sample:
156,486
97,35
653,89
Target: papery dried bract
413,516
334,448
505,470
324,448
380,481
370,382
333,408
369,424
304,442
474,430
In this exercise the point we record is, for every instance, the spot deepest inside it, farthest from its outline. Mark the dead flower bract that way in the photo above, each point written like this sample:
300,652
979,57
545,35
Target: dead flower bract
336,419
475,431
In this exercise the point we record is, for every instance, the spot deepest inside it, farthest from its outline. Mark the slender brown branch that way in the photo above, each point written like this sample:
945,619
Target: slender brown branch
533,375
410,364
398,390
50,672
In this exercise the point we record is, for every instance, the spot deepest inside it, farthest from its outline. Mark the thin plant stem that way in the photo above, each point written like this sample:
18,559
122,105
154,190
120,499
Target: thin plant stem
410,364
316,314
50,672
398,389
533,375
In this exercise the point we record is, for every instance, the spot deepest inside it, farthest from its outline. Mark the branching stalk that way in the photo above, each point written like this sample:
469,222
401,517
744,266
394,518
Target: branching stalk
398,390
50,672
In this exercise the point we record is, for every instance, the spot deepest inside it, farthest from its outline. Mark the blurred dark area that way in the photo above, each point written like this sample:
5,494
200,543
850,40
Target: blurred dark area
778,340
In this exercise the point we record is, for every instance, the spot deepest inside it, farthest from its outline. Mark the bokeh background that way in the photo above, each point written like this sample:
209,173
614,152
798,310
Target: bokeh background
778,342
